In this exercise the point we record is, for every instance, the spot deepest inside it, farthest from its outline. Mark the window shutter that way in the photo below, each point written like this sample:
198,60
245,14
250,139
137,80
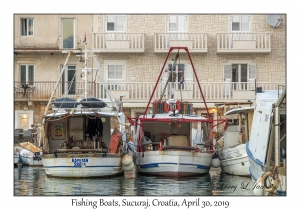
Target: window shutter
181,23
172,23
252,71
119,23
119,71
188,73
30,74
165,73
227,72
23,74
245,19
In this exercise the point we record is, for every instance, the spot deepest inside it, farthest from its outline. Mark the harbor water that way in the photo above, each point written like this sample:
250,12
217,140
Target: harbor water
32,181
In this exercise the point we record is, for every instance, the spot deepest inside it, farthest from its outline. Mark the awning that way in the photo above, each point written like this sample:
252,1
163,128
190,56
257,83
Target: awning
136,105
201,105
144,105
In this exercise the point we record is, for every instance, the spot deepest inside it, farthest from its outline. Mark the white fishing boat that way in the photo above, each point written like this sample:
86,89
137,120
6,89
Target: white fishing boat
164,136
83,137
231,148
266,148
31,154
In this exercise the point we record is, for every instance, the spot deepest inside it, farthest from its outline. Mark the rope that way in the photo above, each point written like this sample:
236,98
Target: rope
64,94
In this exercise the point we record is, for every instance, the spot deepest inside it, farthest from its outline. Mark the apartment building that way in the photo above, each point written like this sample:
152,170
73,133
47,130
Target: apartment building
233,55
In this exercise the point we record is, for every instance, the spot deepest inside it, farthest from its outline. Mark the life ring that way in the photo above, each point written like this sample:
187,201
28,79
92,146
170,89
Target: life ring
174,104
263,181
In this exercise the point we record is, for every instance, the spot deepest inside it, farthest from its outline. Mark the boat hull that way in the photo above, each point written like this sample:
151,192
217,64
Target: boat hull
82,165
173,163
256,172
27,158
234,160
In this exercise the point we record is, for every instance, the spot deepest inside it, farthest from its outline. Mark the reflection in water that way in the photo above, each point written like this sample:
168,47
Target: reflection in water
225,184
32,181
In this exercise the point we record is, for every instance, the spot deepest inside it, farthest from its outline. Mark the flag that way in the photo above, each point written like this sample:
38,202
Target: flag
84,40
181,80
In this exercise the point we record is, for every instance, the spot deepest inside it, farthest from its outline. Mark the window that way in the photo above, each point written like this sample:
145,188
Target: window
115,70
27,74
68,33
26,27
240,75
184,77
23,119
69,80
115,22
177,23
240,23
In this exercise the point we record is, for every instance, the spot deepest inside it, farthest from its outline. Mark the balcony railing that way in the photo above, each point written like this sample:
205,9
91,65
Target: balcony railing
141,92
243,42
119,42
196,42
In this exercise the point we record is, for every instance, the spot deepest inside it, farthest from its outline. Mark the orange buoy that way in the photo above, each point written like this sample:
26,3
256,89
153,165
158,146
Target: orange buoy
115,141
172,104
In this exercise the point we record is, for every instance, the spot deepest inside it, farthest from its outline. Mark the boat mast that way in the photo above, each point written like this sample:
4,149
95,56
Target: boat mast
85,71
56,85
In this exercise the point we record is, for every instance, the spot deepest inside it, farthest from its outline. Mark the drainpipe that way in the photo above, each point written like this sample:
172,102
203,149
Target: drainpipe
277,127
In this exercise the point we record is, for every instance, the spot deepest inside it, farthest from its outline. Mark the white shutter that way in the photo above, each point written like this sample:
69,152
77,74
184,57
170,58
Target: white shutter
227,72
165,73
227,79
252,71
119,26
188,74
181,24
251,75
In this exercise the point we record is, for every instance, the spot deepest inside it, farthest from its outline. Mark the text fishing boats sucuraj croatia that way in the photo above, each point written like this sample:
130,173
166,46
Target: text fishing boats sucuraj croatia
267,145
231,148
83,136
167,144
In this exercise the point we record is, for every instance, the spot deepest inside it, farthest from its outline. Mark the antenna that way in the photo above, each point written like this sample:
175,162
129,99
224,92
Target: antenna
273,20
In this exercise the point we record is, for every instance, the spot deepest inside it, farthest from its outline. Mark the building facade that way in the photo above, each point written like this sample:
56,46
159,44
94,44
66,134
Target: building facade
233,55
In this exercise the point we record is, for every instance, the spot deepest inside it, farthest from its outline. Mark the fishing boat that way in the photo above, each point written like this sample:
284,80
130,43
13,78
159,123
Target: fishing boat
231,148
266,148
31,154
164,136
83,136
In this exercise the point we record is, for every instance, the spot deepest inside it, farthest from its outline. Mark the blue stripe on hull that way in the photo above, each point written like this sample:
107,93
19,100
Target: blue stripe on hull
152,165
79,166
21,160
252,157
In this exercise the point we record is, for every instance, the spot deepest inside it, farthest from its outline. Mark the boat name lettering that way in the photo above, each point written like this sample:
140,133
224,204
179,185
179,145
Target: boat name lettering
81,160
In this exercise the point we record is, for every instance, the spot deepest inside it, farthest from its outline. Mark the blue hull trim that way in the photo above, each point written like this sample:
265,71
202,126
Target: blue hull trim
152,165
281,193
251,156
80,166
21,160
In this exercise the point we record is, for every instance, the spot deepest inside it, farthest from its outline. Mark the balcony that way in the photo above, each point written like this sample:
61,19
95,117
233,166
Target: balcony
118,42
196,42
141,92
243,43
